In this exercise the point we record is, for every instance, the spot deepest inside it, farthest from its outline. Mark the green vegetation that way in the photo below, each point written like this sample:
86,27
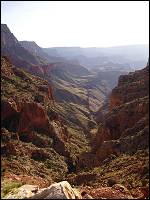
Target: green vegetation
78,142
129,170
27,160
111,182
8,186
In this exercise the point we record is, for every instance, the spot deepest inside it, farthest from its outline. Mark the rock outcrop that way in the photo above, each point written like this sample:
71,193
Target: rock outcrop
130,87
8,110
32,115
125,127
61,190
7,38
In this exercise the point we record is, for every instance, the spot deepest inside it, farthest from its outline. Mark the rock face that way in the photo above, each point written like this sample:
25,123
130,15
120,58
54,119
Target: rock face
32,116
130,87
10,47
6,36
8,110
125,127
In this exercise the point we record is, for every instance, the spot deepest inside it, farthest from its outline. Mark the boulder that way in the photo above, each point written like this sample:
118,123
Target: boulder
61,190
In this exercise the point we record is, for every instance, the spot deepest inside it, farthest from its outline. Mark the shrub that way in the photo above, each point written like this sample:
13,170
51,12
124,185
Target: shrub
111,182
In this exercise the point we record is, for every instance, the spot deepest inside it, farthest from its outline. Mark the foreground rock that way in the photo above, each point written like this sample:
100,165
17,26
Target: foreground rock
61,190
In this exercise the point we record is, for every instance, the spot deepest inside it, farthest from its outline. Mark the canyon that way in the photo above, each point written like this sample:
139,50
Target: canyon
62,121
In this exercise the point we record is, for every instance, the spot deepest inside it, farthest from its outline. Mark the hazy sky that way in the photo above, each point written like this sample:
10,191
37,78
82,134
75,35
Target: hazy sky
78,23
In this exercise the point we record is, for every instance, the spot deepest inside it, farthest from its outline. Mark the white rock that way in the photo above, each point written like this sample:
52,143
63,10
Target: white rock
61,190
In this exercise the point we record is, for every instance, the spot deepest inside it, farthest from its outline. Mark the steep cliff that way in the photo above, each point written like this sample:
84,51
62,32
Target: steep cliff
125,126
11,48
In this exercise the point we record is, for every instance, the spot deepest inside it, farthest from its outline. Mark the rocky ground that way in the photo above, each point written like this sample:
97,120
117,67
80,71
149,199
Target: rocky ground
63,190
